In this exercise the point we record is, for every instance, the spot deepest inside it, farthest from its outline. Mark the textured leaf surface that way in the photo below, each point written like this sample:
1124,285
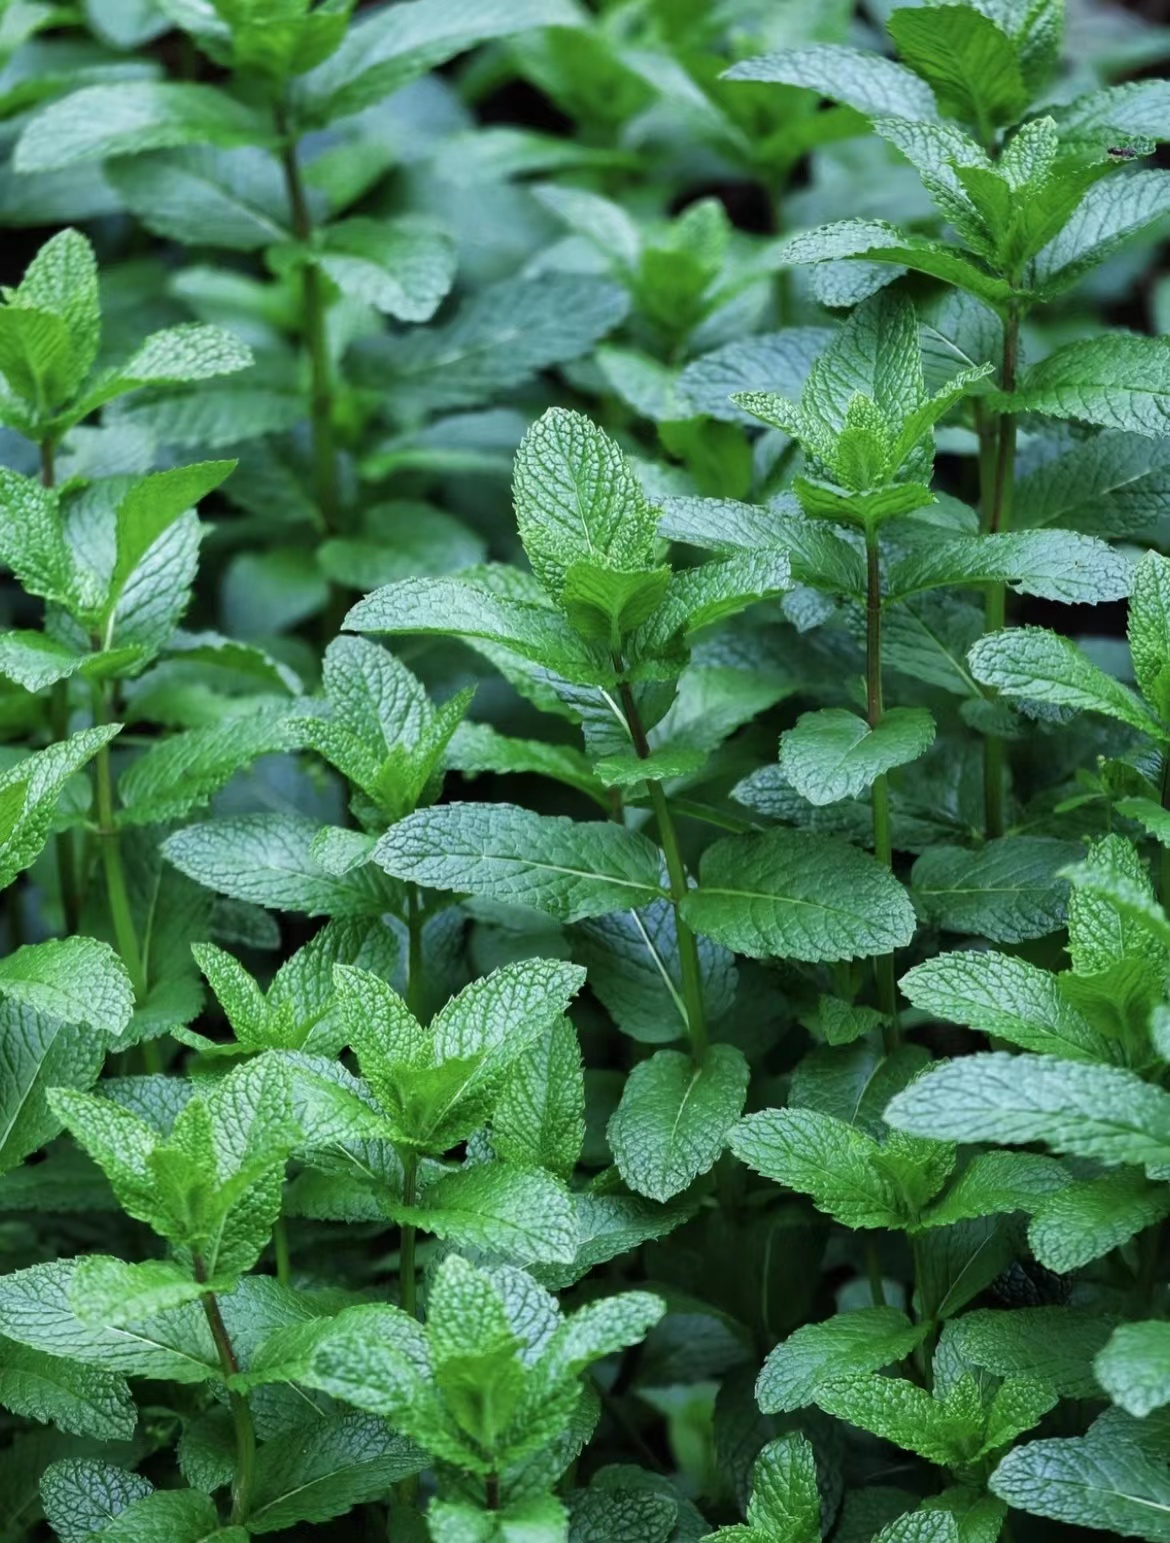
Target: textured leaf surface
568,869
833,754
790,894
101,121
674,1117
1085,1111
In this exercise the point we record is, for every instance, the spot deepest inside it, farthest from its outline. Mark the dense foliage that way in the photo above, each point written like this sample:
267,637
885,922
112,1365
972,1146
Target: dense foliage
587,920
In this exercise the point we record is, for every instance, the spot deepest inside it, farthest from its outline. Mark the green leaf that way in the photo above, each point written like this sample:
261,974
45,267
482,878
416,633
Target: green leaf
1090,1481
153,504
1112,484
82,1496
1087,1219
1041,666
77,980
785,1502
1084,1111
463,607
403,268
1008,890
604,605
877,87
174,357
995,1183
578,500
495,342
790,894
35,661
325,1468
522,1215
84,1400
1007,997
1053,1345
268,860
878,241
1111,213
673,1118
205,197
124,119
865,1340
108,1292
1116,381
35,1310
62,280
837,1165
176,1515
698,597
1134,1367
39,1052
972,66
178,774
383,52
539,1117
568,869
1054,565
833,754
1149,630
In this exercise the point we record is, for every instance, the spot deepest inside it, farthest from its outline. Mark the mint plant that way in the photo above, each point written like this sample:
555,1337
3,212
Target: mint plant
586,913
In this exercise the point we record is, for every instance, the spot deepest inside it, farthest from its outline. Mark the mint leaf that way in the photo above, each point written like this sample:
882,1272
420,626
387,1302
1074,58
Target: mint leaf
972,66
1007,997
865,1340
1084,1111
865,81
673,1118
1008,890
577,499
1096,1481
833,754
568,869
789,894
1134,1367
1115,382
107,120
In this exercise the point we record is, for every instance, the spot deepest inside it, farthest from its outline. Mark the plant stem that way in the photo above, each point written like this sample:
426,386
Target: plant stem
1164,852
281,1251
325,480
407,1271
688,948
59,723
241,1414
125,934
885,974
492,1491
414,957
997,466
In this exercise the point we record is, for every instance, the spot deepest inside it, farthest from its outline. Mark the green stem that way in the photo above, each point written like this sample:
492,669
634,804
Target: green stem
280,1249
688,948
884,971
230,1366
316,336
1164,852
997,466
407,1270
59,723
414,957
241,1414
406,1489
117,894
